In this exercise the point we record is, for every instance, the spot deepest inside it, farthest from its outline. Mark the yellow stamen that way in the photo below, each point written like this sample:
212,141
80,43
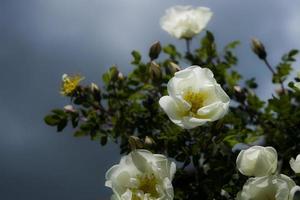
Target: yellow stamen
69,84
147,184
195,99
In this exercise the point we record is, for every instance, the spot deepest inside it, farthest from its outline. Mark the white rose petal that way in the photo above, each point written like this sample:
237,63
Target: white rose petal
183,22
277,187
295,164
142,175
298,74
195,98
257,161
297,85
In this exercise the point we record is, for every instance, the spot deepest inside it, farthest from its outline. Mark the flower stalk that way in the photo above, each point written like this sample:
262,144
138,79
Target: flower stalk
273,73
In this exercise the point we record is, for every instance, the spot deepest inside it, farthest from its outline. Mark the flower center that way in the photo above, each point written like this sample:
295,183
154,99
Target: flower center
195,99
147,184
70,83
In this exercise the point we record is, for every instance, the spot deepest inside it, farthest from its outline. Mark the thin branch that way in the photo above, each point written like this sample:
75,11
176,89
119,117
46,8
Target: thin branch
188,42
273,73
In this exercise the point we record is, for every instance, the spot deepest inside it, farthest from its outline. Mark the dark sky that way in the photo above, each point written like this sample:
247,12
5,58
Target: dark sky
41,40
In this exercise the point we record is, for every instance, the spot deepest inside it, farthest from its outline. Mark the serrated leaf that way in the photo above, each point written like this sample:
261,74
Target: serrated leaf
171,51
62,124
51,120
232,45
251,83
79,133
103,140
136,57
293,52
231,140
58,111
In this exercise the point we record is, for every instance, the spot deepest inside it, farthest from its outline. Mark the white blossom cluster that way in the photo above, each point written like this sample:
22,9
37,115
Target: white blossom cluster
265,183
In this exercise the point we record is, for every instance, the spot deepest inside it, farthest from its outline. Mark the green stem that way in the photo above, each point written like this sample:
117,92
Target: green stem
273,73
188,43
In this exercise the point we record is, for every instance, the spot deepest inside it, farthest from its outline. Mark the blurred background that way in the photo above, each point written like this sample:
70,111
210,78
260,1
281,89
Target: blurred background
41,40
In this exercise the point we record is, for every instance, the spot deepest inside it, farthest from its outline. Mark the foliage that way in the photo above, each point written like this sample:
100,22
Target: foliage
127,106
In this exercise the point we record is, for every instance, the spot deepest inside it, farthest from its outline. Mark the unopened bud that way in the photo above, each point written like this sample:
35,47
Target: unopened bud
94,87
114,73
240,95
135,142
237,89
149,141
154,50
258,48
95,91
173,68
69,108
120,76
279,91
155,71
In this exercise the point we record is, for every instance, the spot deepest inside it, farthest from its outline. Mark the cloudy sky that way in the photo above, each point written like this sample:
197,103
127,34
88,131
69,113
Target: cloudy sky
41,40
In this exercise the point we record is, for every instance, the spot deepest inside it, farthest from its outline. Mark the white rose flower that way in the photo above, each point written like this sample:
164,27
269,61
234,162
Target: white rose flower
295,164
194,98
183,22
142,175
274,187
257,161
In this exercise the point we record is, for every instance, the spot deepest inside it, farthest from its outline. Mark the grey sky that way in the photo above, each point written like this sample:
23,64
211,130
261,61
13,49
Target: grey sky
41,40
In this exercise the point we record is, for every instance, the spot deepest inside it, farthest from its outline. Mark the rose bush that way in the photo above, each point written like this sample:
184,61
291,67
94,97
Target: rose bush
129,105
142,175
183,22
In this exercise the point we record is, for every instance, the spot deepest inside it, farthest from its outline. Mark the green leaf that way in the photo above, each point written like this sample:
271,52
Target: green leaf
106,78
233,78
231,140
171,51
293,52
103,140
283,70
232,45
74,119
79,133
208,50
251,83
210,36
110,75
254,102
62,124
59,111
52,120
136,57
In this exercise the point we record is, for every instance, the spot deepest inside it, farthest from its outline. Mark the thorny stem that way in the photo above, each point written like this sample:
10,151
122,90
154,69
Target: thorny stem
273,72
